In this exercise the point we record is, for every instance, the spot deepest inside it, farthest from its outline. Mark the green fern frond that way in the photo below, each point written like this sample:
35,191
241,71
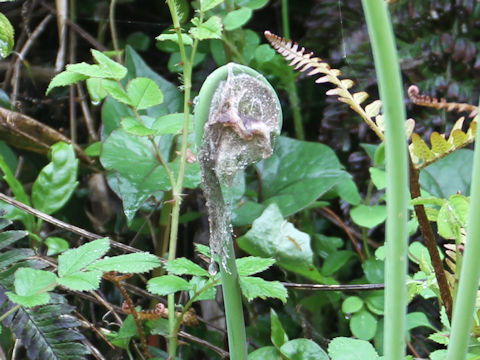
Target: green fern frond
421,154
48,332
306,62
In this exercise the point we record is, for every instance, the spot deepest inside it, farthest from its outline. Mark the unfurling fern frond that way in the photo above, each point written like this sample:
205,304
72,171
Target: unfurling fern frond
420,153
303,61
48,332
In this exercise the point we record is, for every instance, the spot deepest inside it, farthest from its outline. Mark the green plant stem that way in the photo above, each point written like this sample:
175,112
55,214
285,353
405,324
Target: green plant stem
113,29
469,273
177,189
391,94
285,22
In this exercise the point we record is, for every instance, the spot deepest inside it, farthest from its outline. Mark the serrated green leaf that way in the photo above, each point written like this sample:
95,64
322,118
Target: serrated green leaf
198,284
82,280
65,78
6,37
117,71
57,181
88,70
206,5
303,349
56,245
237,18
75,260
187,40
168,284
342,348
132,126
129,264
116,91
96,90
144,93
171,124
453,216
210,29
253,287
277,333
184,266
31,286
252,264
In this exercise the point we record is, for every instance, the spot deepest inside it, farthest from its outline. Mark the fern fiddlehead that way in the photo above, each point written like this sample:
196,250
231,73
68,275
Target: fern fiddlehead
237,118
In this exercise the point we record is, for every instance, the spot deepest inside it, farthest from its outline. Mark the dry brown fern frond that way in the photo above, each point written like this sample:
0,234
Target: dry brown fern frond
303,61
421,154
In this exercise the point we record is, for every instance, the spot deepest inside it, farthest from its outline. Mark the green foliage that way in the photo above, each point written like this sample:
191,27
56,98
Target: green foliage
6,37
39,328
342,348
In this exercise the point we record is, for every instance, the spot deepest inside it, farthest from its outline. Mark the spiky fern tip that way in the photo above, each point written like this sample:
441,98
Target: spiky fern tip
306,62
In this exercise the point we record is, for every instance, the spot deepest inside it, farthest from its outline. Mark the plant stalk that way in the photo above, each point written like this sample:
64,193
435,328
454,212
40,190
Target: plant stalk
391,94
469,273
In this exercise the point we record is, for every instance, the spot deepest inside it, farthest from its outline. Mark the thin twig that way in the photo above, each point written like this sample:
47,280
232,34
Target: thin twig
86,113
64,225
77,29
21,56
318,287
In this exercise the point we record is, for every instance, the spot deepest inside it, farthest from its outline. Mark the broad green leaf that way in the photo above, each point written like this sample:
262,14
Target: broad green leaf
439,354
115,90
369,216
303,349
6,37
342,348
363,325
417,319
264,53
57,181
266,352
31,286
65,78
184,266
132,126
74,260
158,326
210,29
352,304
94,149
296,175
206,5
135,263
375,301
144,93
450,175
272,237
251,265
171,124
348,191
122,152
253,287
335,261
168,284
173,99
82,281
112,112
19,194
56,245
117,71
374,270
277,334
198,285
237,18
95,71
187,40
378,177
125,334
252,4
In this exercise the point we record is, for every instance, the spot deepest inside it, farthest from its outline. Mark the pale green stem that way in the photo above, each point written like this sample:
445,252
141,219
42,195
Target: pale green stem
11,311
470,272
177,190
391,94
113,29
